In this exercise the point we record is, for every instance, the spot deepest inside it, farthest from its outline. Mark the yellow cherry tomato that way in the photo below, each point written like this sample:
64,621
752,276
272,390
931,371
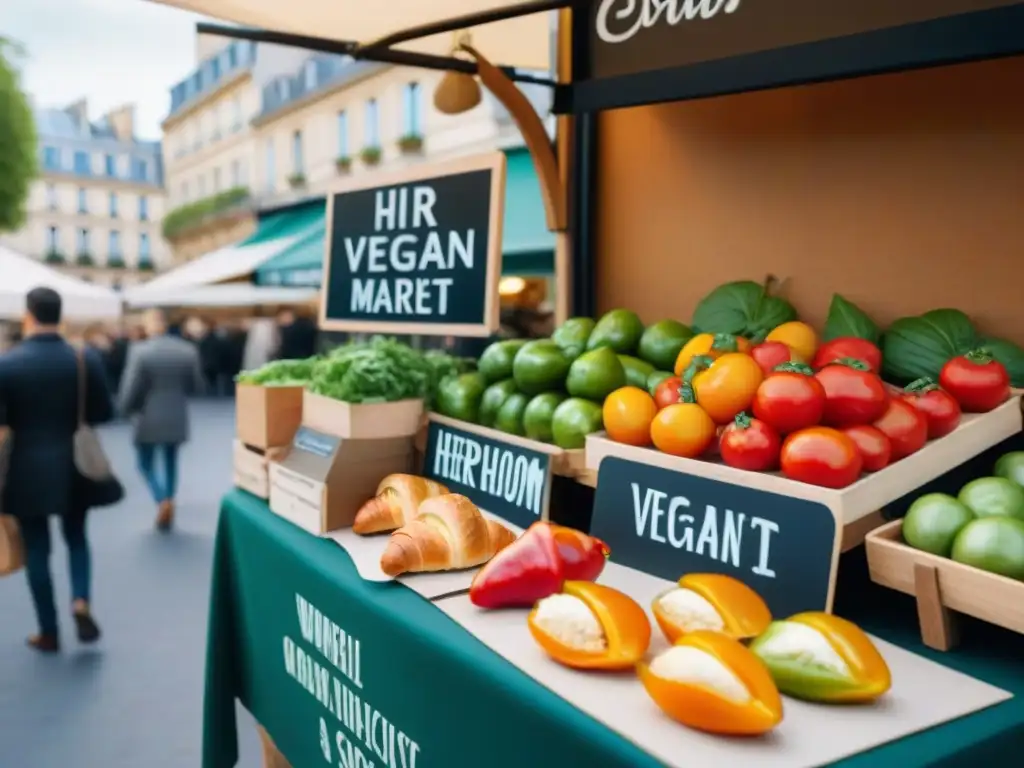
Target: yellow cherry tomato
799,337
628,413
711,345
728,386
683,429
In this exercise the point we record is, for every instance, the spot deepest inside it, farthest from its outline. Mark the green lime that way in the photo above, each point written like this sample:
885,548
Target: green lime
459,396
572,335
637,371
1011,466
493,398
573,420
540,366
510,415
496,362
994,544
993,496
596,374
619,329
662,341
538,415
655,379
933,521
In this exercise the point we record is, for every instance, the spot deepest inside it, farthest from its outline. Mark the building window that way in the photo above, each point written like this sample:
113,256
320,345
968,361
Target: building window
237,111
82,201
202,187
236,173
140,169
297,164
113,205
271,179
83,241
184,191
216,180
343,150
144,254
82,163
51,158
412,102
309,74
233,55
115,244
52,240
143,208
51,197
109,165
372,124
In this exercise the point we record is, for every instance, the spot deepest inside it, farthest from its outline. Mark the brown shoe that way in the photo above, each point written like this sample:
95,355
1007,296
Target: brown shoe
44,643
165,516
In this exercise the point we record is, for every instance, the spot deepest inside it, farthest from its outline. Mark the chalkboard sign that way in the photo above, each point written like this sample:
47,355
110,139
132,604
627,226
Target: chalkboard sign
417,252
502,476
669,523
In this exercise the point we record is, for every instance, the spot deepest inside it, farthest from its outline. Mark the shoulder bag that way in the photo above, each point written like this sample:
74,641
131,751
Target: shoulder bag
12,554
101,486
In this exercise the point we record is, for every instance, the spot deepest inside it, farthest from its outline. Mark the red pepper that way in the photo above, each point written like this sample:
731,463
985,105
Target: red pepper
527,570
583,557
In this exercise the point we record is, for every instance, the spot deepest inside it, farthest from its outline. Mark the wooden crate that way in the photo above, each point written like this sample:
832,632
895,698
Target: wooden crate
942,586
251,467
267,416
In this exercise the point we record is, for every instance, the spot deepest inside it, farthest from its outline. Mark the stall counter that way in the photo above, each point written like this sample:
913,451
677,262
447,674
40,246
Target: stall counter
345,672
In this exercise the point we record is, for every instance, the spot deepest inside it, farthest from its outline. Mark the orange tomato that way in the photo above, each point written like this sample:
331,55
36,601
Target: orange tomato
683,429
711,345
728,386
628,413
799,337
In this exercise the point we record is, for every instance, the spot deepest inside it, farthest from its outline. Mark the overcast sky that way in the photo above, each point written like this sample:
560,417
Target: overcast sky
111,51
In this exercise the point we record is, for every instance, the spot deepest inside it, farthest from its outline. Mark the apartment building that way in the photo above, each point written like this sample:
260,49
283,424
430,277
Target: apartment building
96,208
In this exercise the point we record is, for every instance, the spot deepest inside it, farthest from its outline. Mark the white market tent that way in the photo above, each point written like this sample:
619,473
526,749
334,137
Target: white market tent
19,274
227,295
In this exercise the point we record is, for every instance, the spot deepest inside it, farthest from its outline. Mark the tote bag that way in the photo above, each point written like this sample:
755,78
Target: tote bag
12,554
101,487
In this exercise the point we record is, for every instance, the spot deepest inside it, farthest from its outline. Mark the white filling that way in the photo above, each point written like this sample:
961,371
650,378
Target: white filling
804,645
684,664
690,611
571,622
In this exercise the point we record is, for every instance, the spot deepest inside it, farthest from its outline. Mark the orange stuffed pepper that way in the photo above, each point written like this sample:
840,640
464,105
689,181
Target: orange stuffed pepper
713,683
711,601
821,657
591,626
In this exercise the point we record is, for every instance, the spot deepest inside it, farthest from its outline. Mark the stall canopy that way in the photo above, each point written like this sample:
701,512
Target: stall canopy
276,233
527,245
82,301
228,295
520,42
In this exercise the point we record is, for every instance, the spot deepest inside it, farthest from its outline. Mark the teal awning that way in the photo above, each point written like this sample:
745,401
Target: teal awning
291,222
528,248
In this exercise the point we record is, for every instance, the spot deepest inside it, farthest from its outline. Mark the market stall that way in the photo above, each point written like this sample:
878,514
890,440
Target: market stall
83,302
790,371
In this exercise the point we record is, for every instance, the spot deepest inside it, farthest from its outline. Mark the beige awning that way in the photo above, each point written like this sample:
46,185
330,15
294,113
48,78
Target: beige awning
520,42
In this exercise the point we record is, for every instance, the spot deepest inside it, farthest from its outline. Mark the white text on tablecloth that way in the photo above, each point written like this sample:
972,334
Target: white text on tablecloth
366,738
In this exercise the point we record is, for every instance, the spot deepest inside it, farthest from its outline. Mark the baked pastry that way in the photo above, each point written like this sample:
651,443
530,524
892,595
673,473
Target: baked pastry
449,533
397,500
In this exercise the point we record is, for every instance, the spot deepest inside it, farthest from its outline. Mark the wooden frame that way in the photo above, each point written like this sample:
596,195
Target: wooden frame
942,586
495,162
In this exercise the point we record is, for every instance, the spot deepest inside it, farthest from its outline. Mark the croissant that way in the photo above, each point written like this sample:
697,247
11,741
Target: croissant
449,533
398,497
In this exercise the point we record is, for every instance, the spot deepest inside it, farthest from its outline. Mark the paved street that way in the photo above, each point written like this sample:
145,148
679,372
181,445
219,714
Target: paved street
136,699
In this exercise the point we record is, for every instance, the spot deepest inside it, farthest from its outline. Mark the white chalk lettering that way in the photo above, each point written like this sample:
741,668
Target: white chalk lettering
631,16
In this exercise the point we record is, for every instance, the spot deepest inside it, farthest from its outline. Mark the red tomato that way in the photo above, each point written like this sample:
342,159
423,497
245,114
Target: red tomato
821,456
667,393
848,346
873,445
939,408
977,380
770,354
791,398
906,428
853,394
749,444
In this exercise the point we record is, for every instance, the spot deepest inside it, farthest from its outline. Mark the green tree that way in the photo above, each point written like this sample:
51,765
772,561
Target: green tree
18,158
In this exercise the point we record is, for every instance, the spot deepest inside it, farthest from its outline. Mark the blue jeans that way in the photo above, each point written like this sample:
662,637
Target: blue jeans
35,535
165,488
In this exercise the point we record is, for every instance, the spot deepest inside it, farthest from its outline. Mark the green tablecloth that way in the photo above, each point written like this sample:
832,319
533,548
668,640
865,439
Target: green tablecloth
423,692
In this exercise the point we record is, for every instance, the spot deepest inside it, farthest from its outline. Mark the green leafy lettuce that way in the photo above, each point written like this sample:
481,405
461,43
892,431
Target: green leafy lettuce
280,373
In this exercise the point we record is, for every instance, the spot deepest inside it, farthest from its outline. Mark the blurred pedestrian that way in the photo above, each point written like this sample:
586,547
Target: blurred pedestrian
211,354
159,376
297,336
42,402
261,345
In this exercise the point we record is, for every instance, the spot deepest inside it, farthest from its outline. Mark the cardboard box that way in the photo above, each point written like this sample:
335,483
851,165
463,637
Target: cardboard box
251,467
362,421
267,417
324,480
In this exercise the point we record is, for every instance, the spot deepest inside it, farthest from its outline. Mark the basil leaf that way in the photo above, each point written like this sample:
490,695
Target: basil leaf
847,319
1010,355
743,309
914,347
